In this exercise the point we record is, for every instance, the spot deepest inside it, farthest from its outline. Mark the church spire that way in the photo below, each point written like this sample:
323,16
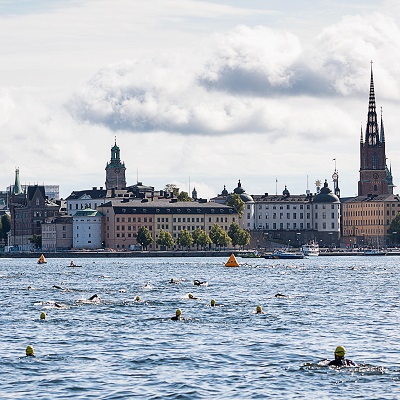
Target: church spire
372,130
382,138
361,136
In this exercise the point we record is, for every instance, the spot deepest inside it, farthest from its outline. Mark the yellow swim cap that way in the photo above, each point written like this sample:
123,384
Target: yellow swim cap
212,302
178,312
29,351
190,296
43,315
259,309
137,298
340,351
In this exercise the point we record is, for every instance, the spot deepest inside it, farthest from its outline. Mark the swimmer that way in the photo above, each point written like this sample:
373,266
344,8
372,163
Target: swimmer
191,297
58,305
72,264
42,315
280,295
57,287
339,360
138,299
173,281
178,315
30,352
95,297
196,282
259,310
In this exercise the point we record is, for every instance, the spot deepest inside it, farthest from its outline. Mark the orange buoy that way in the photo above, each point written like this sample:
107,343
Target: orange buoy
232,262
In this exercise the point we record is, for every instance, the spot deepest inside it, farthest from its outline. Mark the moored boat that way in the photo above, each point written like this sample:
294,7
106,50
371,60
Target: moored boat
311,249
284,254
374,252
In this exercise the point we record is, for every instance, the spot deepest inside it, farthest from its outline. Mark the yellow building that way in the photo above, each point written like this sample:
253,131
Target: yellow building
366,219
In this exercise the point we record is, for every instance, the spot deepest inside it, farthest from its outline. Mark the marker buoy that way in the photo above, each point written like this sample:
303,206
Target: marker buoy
232,262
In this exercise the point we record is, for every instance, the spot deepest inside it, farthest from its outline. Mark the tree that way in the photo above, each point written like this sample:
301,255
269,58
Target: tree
165,239
183,196
218,236
144,237
237,203
239,236
5,225
203,239
234,232
394,229
172,188
36,240
185,239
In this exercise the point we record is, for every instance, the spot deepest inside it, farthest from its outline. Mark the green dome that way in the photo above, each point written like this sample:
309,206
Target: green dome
326,195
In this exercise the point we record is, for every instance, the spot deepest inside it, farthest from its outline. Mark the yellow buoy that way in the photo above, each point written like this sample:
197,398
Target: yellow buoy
232,262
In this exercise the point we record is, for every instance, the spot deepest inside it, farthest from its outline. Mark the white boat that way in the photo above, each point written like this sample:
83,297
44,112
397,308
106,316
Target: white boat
311,249
285,254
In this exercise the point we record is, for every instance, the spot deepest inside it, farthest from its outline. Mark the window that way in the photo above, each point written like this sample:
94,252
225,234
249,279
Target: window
294,216
288,216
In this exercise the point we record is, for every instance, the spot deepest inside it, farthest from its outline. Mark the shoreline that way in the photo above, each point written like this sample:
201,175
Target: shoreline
165,254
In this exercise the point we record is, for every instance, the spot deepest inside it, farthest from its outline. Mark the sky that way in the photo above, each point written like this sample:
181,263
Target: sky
196,93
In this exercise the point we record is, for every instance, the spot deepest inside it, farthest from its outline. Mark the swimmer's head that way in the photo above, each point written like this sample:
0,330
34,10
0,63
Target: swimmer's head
178,312
190,296
42,315
137,298
340,351
259,309
212,302
172,280
30,351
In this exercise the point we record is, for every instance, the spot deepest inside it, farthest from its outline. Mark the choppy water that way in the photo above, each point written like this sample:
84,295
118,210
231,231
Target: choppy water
121,349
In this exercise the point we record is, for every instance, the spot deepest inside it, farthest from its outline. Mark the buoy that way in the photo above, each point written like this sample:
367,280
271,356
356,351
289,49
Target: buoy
232,262
43,315
30,351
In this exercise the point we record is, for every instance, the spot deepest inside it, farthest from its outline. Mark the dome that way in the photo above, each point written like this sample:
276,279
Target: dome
224,192
286,192
326,195
242,193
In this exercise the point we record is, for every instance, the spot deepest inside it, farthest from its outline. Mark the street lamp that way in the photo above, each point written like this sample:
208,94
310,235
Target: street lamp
298,239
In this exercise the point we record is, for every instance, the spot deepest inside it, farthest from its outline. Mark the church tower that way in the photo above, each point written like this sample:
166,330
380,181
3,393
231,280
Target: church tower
375,177
115,170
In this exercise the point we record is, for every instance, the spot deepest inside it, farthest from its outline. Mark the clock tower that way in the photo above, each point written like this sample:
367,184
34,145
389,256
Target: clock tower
375,177
115,170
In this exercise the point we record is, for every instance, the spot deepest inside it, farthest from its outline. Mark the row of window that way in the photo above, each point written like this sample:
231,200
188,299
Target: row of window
294,207
368,213
294,216
295,226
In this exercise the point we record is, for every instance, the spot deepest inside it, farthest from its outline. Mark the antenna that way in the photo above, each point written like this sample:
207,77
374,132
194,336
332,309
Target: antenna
137,175
276,186
189,187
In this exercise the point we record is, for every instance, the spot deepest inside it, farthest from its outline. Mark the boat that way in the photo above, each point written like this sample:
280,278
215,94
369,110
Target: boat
42,259
374,252
285,254
311,249
232,262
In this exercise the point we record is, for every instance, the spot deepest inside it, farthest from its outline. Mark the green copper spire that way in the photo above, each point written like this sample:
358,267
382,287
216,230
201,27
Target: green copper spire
17,185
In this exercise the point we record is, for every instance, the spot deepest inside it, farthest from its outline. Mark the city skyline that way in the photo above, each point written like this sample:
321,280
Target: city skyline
258,93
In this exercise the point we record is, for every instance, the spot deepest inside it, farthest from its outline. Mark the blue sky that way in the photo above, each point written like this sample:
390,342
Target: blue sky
215,90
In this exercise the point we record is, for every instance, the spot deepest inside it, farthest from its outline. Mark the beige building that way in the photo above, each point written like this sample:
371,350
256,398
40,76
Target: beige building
122,220
57,234
366,219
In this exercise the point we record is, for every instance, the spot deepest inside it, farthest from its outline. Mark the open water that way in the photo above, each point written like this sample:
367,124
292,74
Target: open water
121,349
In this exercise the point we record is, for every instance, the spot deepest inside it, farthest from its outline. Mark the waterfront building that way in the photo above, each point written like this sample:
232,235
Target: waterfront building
298,219
366,219
57,234
28,211
122,220
82,199
87,229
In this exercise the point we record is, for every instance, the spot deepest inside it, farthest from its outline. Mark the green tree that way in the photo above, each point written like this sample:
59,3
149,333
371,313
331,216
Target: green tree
165,239
234,232
144,237
36,240
172,188
5,225
239,236
183,196
218,236
203,239
394,229
244,238
237,203
185,239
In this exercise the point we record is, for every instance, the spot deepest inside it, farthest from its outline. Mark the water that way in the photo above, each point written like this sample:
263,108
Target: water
122,349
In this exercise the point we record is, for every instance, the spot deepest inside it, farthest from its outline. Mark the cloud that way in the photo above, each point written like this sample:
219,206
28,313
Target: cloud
238,81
